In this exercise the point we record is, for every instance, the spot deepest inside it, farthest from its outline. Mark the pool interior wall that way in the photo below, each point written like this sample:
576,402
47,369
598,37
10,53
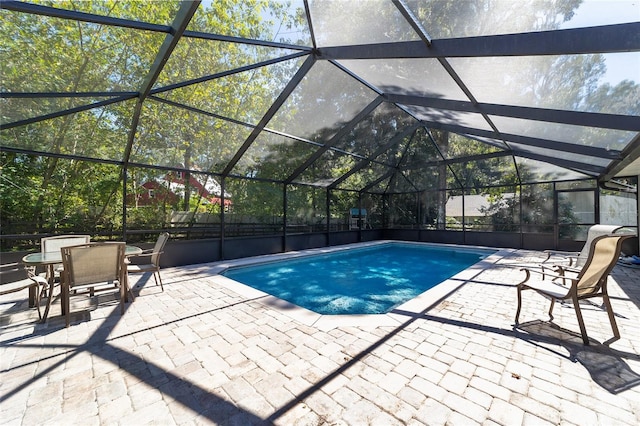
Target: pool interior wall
362,280
416,306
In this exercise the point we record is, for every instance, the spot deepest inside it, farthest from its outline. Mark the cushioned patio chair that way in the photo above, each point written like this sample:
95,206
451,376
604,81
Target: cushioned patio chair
93,267
590,282
154,260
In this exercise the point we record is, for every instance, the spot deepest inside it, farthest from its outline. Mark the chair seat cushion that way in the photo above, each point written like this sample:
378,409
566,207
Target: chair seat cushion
548,287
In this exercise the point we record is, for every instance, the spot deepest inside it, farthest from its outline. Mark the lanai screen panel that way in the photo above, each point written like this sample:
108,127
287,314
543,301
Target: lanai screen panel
419,77
452,145
178,138
455,18
559,155
48,54
589,83
273,156
326,169
338,22
195,58
444,118
415,151
367,175
425,178
234,96
13,111
539,171
377,131
579,135
279,21
161,13
324,101
75,134
489,172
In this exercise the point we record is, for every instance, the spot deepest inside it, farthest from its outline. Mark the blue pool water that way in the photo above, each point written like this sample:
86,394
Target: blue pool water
370,280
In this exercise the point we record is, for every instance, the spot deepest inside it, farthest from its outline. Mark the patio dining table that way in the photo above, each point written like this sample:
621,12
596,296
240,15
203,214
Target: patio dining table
49,260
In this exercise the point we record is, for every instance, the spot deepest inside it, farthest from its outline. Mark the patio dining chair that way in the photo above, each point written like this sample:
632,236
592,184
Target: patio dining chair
153,265
52,273
94,267
591,281
55,243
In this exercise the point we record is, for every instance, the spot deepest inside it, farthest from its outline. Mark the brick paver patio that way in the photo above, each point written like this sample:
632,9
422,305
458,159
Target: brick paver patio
200,353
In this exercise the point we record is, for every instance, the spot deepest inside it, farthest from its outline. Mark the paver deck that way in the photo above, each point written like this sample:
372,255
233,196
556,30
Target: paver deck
201,353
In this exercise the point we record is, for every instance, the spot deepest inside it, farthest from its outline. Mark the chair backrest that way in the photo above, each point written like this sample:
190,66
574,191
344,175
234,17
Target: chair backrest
51,244
157,249
604,254
93,263
594,232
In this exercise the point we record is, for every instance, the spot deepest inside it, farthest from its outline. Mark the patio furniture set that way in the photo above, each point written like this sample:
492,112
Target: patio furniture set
79,267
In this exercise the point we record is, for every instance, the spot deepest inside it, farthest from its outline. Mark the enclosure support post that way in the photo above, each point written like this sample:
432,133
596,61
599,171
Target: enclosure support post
520,221
464,220
360,216
556,228
596,205
328,221
284,218
223,181
124,202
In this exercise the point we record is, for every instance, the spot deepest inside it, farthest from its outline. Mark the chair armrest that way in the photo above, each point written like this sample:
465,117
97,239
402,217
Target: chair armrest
14,286
563,269
567,254
529,271
147,254
40,280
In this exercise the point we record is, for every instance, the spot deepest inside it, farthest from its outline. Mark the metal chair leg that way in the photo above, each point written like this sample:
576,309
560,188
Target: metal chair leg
583,330
612,320
519,305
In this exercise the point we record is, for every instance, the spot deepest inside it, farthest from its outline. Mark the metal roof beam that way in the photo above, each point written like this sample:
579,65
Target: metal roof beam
180,22
36,95
602,39
241,40
66,112
35,9
629,155
592,151
307,14
567,164
226,73
577,118
476,157
412,20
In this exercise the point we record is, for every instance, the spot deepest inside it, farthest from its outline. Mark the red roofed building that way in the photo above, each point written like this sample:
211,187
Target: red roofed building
171,188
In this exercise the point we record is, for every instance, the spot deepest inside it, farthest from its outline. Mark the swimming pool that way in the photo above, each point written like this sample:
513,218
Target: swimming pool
370,280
